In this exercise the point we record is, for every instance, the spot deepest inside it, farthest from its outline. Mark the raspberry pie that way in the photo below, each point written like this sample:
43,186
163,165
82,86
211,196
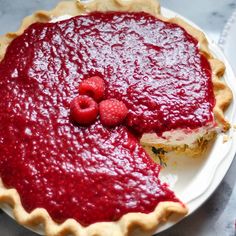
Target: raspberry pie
159,85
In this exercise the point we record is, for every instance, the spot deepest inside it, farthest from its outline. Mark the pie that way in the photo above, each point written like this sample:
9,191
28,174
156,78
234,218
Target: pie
99,180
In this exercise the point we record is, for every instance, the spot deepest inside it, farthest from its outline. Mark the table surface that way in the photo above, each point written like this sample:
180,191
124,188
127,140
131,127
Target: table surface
217,217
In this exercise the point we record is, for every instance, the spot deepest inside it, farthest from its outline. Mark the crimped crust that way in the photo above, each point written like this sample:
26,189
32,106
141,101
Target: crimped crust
131,221
125,226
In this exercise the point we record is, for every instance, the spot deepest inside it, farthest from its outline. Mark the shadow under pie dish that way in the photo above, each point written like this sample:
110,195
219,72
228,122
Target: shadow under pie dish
98,180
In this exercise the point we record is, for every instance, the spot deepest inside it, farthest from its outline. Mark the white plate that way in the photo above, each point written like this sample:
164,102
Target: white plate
228,40
195,179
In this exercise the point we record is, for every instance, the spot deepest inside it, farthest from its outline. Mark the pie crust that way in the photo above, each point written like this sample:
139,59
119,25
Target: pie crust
131,221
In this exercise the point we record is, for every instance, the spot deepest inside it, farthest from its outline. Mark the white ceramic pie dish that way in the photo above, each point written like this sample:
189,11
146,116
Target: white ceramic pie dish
228,40
195,179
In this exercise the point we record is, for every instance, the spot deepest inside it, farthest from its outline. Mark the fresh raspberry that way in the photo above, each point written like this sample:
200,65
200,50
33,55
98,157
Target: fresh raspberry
93,87
112,112
84,110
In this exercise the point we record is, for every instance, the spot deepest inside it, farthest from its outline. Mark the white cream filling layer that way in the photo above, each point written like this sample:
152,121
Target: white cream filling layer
179,137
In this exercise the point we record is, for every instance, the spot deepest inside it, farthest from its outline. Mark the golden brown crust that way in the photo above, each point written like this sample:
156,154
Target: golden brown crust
123,227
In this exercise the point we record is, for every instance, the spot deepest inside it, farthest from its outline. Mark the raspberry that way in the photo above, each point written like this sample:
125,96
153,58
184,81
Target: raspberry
84,110
112,112
93,87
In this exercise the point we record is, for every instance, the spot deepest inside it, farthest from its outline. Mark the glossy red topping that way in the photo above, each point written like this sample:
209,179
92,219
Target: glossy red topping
153,67
93,87
83,110
89,174
112,112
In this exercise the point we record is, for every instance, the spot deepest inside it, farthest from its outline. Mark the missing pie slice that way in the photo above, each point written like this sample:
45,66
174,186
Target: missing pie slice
96,180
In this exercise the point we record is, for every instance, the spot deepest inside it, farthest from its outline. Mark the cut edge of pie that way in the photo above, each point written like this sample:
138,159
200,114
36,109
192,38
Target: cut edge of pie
130,221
